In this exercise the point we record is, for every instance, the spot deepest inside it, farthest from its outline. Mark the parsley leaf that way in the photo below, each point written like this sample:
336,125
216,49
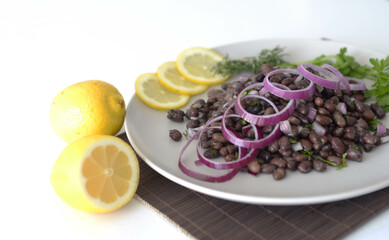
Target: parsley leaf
344,163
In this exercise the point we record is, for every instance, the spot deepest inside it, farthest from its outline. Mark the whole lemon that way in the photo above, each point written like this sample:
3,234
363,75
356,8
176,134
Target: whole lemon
87,108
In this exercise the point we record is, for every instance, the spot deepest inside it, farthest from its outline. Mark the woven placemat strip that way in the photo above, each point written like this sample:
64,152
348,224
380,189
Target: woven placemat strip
206,217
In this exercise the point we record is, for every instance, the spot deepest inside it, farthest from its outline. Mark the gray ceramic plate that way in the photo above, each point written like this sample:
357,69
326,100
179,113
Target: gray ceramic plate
147,129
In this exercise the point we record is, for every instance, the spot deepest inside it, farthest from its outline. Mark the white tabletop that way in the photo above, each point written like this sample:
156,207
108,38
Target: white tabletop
47,45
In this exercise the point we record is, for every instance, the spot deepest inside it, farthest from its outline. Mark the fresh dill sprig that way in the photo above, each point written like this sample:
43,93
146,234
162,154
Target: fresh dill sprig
273,57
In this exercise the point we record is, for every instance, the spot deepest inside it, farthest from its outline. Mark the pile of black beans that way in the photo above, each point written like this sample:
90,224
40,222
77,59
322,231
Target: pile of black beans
346,136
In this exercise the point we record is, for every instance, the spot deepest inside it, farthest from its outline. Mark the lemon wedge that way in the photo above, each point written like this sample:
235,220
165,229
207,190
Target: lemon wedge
97,173
170,78
155,95
196,64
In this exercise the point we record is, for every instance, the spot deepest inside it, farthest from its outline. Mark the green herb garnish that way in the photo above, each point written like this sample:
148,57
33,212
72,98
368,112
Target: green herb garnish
326,161
344,163
247,91
213,151
356,148
291,140
273,57
257,103
380,72
309,126
373,124
243,122
306,152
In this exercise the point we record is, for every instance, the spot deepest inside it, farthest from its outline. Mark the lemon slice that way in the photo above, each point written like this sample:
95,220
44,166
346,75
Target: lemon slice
155,95
98,173
169,77
196,64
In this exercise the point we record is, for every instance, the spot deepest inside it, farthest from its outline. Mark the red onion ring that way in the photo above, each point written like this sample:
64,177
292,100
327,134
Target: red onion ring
325,82
263,120
202,176
345,84
244,156
260,143
287,93
359,86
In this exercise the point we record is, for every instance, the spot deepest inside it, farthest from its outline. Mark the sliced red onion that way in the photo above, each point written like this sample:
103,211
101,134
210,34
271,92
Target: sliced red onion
286,92
297,147
245,155
329,79
311,114
344,83
201,176
285,127
319,129
258,143
342,107
359,86
263,120
381,129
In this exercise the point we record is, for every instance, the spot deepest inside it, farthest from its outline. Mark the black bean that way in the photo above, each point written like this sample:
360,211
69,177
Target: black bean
323,111
279,162
350,133
305,166
293,120
218,137
350,120
292,165
378,110
175,115
362,124
338,132
360,97
266,68
192,112
267,168
330,106
284,143
211,153
323,154
319,165
193,123
301,117
287,81
213,92
223,151
367,147
231,148
359,106
273,147
307,145
286,153
254,166
302,109
337,145
299,157
319,101
368,114
323,120
335,159
369,139
304,132
354,155
339,119
269,111
279,173
314,138
175,134
324,139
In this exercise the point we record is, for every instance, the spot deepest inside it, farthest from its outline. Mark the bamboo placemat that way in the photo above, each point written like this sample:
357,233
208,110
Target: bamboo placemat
204,217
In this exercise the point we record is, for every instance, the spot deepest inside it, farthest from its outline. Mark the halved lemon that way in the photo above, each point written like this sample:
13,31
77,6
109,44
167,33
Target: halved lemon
169,77
97,173
155,95
196,64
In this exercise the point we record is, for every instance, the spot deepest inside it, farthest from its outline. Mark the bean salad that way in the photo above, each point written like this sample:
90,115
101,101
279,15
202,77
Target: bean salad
316,142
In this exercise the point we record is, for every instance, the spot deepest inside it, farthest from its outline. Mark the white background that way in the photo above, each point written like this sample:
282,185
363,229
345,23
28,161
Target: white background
48,45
